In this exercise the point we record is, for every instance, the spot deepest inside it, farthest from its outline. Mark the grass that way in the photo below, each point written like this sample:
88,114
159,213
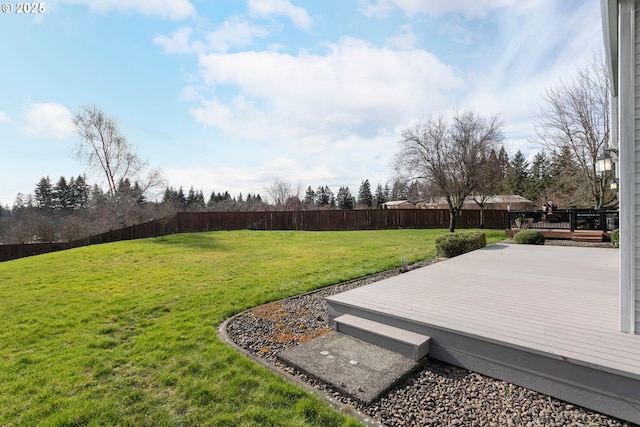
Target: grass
125,333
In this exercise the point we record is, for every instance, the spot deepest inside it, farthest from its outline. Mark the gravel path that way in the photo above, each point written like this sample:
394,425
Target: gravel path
437,395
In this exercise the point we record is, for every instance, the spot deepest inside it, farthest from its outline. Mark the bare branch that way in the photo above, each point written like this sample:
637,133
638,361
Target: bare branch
106,151
449,156
575,119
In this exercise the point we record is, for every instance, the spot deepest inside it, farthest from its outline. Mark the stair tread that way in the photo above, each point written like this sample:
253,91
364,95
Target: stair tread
382,329
588,235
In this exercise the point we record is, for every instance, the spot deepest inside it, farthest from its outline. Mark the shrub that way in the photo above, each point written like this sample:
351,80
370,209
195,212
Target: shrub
529,237
452,245
615,238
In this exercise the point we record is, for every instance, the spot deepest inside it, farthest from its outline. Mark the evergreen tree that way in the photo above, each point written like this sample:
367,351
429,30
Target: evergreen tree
98,198
539,179
191,199
503,163
61,195
325,197
180,197
173,197
399,190
386,192
309,197
379,198
212,199
517,175
80,193
568,187
199,200
365,197
138,194
344,199
169,196
44,194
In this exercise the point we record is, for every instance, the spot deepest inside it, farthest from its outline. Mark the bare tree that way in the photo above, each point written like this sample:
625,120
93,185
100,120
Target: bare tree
449,155
490,184
575,119
105,150
283,195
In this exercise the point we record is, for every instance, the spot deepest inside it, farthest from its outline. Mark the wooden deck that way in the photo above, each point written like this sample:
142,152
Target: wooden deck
543,317
565,234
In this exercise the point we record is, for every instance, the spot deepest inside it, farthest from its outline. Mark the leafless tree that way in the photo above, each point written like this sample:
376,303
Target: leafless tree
282,194
105,150
450,155
489,184
575,119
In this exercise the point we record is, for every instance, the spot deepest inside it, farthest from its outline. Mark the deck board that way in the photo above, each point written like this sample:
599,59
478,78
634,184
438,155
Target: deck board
557,301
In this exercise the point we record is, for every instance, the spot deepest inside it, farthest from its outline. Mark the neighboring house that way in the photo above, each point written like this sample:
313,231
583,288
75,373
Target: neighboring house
621,28
495,202
398,204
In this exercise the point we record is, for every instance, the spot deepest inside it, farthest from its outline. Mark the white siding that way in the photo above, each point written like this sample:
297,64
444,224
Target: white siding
628,192
636,74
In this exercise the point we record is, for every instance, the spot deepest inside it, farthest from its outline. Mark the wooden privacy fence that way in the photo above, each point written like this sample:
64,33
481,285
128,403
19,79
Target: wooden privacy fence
320,220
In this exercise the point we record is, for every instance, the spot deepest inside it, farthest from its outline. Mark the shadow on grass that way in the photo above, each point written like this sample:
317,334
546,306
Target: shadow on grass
198,241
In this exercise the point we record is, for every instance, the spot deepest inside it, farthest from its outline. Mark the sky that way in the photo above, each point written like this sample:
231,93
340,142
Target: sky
232,95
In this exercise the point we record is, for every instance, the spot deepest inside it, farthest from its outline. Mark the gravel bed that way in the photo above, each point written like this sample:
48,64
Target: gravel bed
438,394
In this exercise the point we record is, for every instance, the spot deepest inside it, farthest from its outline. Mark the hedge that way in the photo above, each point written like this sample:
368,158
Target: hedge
529,237
456,244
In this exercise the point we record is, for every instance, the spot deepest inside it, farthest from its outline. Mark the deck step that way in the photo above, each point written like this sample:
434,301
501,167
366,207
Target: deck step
407,343
588,235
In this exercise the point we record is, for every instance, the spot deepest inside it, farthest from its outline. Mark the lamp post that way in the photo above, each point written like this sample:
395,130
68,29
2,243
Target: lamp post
604,162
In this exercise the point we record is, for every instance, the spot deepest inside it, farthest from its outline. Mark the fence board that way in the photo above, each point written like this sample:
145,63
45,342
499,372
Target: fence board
318,220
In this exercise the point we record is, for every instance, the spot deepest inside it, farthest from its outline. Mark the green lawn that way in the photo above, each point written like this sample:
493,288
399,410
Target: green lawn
125,333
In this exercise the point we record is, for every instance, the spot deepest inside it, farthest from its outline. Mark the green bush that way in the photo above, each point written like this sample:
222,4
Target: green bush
529,237
615,238
452,245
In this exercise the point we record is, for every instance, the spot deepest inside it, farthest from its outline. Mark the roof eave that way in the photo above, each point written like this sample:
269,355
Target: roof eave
610,34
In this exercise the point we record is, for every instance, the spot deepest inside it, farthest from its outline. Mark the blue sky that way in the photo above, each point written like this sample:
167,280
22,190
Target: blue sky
230,95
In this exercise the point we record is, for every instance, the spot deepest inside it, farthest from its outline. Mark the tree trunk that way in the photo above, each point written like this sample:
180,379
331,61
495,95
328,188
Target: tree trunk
452,220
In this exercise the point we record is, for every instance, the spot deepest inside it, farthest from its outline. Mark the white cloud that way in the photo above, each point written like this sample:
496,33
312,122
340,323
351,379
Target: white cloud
298,169
332,114
48,120
236,32
436,8
267,8
178,42
169,9
353,88
3,118
531,61
404,39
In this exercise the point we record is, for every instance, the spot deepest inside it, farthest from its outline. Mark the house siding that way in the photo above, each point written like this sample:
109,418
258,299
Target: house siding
636,75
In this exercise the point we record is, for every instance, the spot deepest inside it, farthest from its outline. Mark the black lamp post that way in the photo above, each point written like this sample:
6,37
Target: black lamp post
605,162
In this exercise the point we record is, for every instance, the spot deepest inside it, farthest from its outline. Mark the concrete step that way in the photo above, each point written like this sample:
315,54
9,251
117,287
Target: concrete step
407,343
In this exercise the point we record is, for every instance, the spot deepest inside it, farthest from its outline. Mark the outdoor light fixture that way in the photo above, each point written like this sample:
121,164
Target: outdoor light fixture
614,184
604,163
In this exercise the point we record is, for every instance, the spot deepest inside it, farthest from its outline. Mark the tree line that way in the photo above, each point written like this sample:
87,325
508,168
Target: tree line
454,158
